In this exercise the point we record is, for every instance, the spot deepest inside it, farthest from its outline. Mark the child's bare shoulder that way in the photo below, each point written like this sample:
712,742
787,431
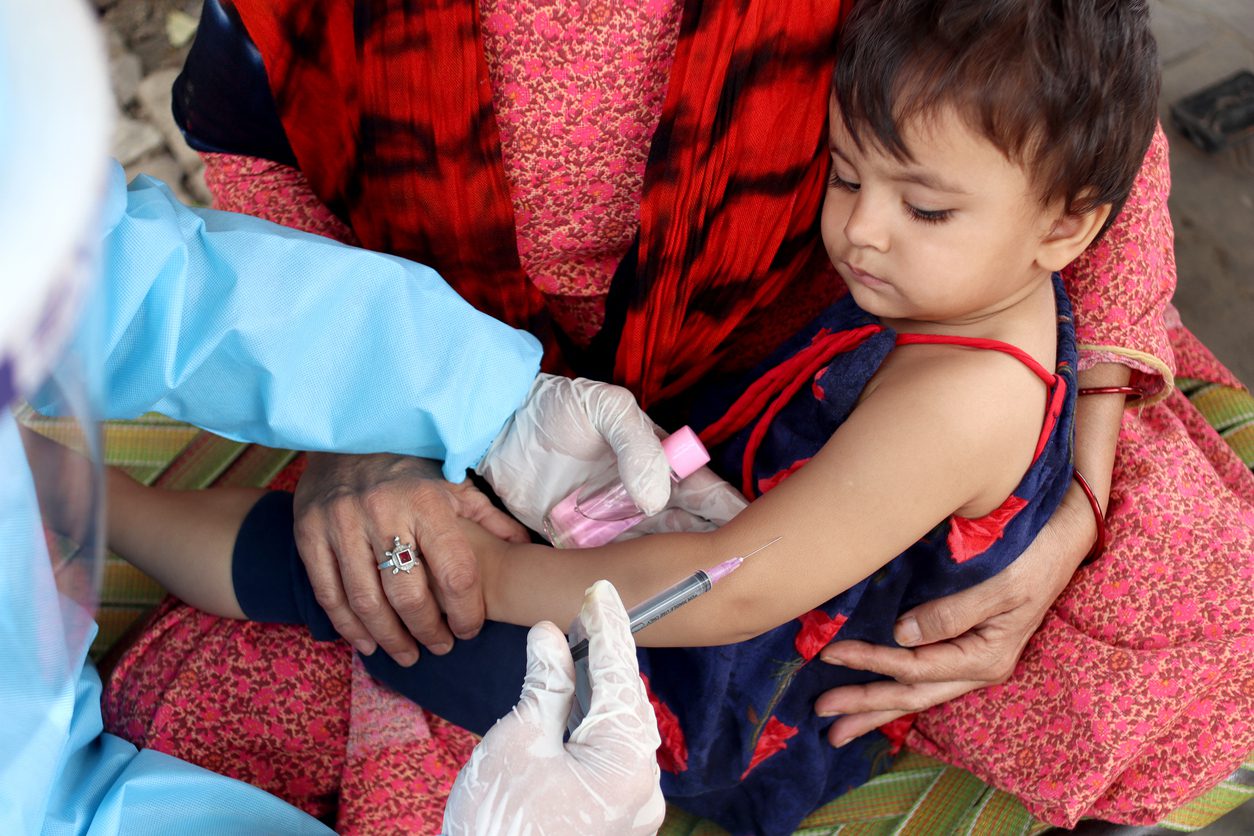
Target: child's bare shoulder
985,405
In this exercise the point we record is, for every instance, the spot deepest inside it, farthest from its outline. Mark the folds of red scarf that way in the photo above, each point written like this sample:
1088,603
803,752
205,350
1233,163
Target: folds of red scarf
388,107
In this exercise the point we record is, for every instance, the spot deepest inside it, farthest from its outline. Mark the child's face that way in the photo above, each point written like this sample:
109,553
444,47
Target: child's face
951,237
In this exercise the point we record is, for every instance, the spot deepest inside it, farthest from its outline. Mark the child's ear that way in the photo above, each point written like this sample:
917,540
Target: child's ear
1070,236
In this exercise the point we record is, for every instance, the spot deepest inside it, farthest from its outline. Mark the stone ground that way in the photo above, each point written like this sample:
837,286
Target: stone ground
1212,202
147,43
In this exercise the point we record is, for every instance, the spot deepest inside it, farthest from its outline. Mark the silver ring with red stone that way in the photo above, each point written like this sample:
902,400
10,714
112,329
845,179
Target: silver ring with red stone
400,558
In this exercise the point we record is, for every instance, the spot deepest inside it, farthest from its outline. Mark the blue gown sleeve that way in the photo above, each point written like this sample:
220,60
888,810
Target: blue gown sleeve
264,334
261,334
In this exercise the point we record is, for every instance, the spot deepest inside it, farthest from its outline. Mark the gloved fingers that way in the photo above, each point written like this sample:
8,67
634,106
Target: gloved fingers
642,464
548,449
702,502
549,685
706,495
668,521
619,717
557,421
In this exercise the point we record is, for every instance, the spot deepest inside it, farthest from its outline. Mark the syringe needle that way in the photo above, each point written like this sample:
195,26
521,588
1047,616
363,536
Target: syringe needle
761,547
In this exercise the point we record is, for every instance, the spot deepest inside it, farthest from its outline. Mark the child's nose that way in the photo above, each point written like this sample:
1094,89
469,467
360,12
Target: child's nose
866,227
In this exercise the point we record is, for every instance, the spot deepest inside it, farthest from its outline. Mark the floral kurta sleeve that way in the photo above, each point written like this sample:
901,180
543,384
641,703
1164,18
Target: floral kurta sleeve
1122,284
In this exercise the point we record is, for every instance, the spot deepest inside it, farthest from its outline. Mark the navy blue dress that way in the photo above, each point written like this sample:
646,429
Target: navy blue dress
741,743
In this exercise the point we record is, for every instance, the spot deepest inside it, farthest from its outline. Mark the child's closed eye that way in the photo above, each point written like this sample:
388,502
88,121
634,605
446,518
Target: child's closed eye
835,181
928,216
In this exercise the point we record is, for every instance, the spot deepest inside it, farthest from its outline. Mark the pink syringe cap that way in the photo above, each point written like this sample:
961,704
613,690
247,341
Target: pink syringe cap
685,452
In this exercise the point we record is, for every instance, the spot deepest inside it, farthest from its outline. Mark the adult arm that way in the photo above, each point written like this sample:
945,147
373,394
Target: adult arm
264,334
1120,288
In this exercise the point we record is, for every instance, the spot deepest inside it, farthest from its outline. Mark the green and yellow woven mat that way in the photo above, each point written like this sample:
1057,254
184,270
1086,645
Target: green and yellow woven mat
157,451
1230,411
921,796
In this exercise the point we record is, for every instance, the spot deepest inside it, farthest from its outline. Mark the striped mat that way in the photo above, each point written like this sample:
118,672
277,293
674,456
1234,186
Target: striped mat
916,796
921,796
1230,411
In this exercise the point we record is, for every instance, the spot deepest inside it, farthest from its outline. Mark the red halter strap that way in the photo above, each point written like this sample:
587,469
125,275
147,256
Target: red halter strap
775,389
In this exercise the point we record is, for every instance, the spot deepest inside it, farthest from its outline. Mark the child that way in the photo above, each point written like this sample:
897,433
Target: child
909,443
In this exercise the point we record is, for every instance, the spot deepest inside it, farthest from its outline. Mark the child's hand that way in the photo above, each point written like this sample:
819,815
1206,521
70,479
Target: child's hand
490,553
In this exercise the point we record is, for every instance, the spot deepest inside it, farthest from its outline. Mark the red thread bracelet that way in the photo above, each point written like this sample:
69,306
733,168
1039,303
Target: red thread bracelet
1099,544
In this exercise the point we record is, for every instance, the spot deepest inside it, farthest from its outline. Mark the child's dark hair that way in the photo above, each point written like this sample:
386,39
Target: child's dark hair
1066,88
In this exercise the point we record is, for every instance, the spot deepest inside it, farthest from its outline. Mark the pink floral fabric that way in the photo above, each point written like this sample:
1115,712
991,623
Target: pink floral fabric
1121,286
273,191
1137,692
266,704
578,89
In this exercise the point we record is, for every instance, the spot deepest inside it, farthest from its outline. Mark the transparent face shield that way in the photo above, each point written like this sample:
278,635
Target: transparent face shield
59,439
55,117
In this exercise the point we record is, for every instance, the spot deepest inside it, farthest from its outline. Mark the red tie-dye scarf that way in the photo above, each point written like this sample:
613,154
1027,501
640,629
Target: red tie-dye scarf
388,107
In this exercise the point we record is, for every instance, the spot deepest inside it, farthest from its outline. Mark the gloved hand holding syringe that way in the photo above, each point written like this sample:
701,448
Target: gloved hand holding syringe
603,778
641,616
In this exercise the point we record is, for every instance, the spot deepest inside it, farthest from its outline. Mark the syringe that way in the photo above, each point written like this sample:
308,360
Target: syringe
674,597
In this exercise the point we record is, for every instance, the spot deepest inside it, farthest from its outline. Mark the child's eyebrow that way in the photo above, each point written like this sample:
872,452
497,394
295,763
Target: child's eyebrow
928,180
924,178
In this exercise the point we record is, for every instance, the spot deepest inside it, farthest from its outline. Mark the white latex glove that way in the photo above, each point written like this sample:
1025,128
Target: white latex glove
701,502
570,431
523,780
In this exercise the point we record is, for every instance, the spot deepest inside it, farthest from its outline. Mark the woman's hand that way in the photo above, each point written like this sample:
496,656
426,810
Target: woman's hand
962,642
348,509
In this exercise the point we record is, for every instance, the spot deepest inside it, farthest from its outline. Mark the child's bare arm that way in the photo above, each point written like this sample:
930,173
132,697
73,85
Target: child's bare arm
944,431
185,540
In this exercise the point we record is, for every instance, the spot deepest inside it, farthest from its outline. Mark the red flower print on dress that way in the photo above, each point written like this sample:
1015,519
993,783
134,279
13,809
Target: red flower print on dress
970,538
672,755
817,629
816,388
774,738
